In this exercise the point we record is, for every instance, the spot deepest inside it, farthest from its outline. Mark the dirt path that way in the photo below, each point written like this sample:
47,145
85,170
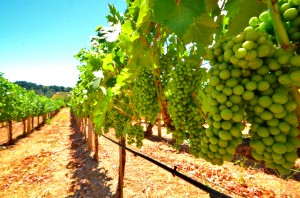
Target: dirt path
54,162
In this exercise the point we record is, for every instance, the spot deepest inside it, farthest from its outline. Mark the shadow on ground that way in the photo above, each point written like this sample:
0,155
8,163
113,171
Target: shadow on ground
89,179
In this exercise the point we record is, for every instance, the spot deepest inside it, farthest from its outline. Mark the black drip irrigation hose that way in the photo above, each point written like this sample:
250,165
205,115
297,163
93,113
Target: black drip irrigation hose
213,193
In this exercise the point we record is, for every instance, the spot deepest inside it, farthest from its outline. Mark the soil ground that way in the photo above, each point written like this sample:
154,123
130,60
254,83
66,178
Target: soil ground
54,161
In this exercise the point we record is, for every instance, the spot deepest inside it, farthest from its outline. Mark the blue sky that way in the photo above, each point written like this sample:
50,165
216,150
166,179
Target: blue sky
38,38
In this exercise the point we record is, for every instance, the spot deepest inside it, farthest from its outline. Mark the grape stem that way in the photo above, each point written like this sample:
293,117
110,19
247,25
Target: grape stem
279,28
296,96
121,111
199,106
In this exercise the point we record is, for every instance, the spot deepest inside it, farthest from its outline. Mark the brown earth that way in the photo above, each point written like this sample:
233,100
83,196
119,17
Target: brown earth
54,162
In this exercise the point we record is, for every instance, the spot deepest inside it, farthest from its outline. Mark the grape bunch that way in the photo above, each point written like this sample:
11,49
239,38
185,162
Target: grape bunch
274,128
116,120
166,65
118,116
272,115
227,95
289,11
260,85
135,134
184,111
262,23
144,95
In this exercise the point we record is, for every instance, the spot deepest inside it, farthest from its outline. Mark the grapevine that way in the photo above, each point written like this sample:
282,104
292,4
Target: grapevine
253,76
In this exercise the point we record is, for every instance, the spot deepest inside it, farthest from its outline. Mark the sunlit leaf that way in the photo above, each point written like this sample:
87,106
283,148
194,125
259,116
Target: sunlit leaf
177,15
107,62
201,30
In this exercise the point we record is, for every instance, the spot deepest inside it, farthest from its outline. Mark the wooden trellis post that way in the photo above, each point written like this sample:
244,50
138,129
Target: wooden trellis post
32,125
24,126
159,125
122,160
10,140
96,143
28,124
90,134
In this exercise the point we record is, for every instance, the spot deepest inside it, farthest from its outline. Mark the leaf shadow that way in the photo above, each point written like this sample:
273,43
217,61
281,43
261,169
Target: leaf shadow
89,178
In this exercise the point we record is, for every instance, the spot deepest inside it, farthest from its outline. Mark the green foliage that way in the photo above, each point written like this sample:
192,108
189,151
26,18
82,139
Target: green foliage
179,15
18,103
155,65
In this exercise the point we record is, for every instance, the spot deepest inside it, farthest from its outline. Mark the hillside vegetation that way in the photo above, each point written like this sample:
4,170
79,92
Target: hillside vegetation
48,91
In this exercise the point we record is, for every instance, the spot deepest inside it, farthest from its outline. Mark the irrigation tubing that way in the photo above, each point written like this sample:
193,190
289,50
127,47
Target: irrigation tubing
213,193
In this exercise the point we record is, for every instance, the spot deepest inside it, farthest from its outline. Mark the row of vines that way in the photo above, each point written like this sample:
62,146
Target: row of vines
208,67
18,104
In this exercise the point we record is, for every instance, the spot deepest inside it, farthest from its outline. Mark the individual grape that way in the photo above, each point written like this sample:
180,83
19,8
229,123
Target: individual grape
295,60
290,14
295,76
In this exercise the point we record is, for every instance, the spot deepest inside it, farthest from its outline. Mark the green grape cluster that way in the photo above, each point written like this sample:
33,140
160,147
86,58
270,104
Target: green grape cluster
184,111
144,95
262,23
166,65
118,116
274,128
289,11
116,120
227,96
135,134
258,75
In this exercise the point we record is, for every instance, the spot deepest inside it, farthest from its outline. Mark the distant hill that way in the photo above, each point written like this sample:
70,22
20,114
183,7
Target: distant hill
62,96
48,91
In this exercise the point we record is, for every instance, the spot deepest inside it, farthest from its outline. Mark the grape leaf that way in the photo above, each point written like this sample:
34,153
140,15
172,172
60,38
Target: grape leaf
101,108
95,62
177,16
144,13
239,17
211,5
231,6
201,30
122,77
221,28
107,62
125,42
115,16
96,83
